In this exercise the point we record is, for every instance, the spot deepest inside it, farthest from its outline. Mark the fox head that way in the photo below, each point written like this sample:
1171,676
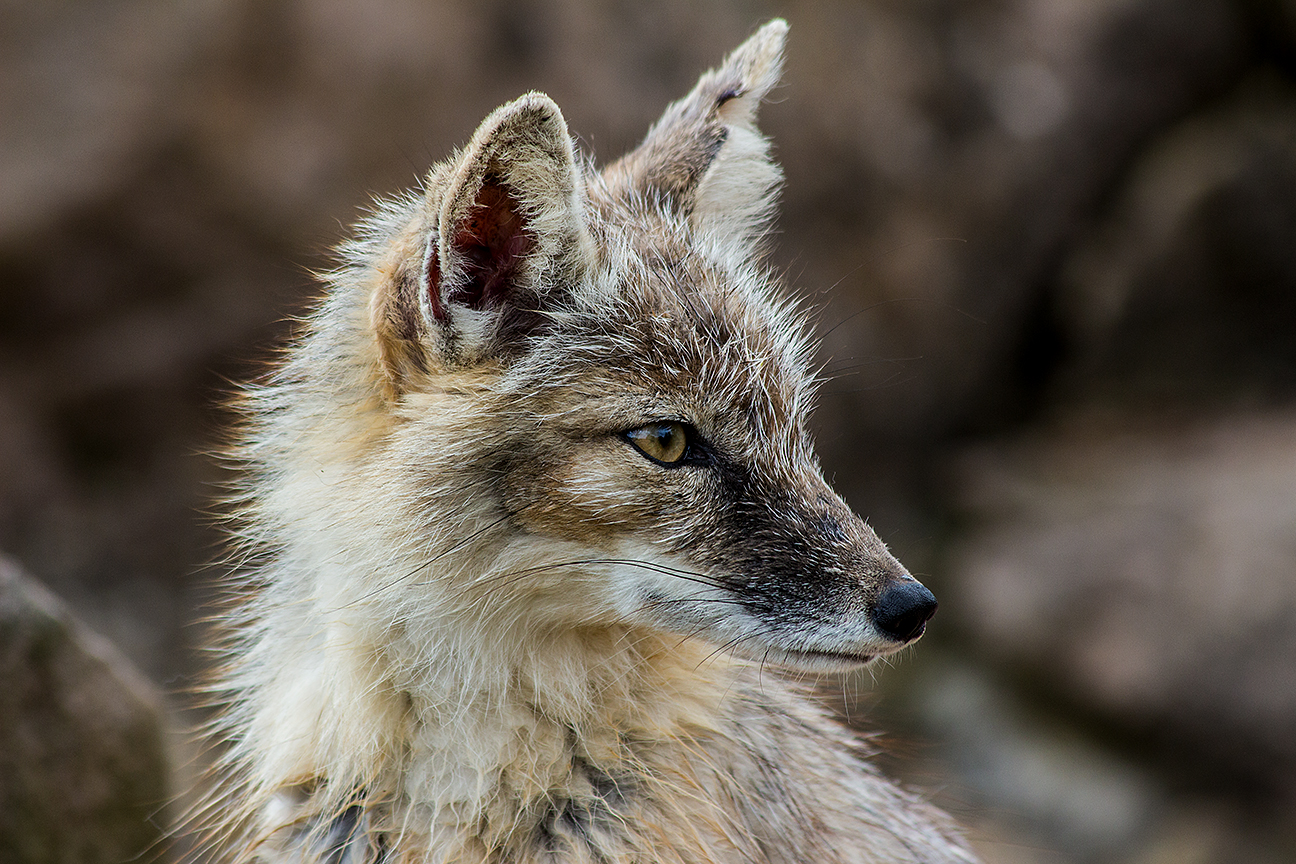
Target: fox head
588,405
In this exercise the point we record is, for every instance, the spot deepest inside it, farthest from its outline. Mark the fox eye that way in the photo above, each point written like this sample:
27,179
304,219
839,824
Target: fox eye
665,442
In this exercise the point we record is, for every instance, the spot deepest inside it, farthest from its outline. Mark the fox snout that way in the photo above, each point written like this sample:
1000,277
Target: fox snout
903,609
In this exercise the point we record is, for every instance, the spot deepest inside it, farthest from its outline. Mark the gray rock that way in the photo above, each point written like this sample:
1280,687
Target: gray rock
1186,291
83,773
1056,787
1148,573
85,101
957,152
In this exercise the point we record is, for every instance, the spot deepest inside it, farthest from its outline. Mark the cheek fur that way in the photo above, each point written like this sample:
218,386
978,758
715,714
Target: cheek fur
593,493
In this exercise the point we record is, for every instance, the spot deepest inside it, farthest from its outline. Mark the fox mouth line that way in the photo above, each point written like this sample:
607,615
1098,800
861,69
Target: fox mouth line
837,657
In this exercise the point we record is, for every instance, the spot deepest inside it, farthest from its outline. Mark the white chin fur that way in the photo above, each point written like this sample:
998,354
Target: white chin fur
822,662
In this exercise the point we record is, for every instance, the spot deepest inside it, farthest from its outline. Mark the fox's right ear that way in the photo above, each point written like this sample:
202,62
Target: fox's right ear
503,232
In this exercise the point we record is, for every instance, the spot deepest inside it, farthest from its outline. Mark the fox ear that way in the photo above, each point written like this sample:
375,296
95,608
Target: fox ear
705,158
504,233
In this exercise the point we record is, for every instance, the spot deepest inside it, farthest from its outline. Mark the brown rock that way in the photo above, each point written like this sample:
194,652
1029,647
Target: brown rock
1148,573
83,776
1186,292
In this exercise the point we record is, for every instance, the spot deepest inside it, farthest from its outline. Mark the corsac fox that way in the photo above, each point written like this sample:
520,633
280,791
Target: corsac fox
527,510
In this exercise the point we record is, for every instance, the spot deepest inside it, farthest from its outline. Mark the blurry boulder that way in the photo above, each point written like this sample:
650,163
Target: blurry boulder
1046,783
1131,552
948,158
88,94
1186,292
1147,574
83,774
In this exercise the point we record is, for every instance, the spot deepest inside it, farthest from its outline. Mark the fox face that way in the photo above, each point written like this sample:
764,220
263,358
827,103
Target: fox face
595,370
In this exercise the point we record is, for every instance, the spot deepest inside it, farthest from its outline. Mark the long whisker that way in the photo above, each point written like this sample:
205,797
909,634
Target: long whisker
893,380
720,649
507,577
892,300
834,373
459,544
666,569
694,598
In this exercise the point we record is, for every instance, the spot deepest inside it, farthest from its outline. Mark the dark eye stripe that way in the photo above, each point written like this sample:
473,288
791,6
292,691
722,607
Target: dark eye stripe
665,443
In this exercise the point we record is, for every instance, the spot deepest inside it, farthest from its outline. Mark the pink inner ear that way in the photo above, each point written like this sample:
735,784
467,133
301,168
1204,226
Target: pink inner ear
492,242
432,279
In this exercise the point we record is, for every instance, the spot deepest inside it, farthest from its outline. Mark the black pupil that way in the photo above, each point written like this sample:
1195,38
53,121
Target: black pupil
664,442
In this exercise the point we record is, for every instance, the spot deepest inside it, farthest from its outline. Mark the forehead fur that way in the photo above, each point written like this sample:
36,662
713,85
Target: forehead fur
666,317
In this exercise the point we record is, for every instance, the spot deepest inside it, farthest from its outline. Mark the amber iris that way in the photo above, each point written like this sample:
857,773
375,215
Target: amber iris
661,442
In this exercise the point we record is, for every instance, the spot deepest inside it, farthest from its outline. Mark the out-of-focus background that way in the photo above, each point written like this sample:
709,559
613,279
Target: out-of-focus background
1053,248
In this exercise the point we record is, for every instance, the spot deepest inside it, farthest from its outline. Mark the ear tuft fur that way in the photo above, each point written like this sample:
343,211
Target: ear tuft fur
758,63
705,158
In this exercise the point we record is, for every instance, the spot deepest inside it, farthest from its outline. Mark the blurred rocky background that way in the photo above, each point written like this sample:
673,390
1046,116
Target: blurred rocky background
83,764
1053,248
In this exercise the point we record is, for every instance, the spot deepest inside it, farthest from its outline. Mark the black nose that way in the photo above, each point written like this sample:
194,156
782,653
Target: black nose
902,610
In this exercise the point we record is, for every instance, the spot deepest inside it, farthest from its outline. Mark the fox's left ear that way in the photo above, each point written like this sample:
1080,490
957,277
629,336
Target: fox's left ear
705,158
504,231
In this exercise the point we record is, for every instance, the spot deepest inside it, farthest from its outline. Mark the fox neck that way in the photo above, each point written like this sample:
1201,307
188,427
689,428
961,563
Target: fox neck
452,714
572,698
